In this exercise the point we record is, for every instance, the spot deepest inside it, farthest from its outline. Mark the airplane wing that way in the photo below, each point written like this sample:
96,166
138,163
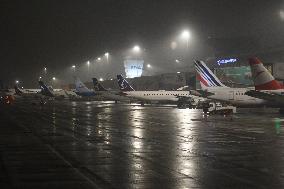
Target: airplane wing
266,96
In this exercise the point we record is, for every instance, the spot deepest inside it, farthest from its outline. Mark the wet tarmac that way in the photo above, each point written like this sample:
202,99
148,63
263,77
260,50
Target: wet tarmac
107,145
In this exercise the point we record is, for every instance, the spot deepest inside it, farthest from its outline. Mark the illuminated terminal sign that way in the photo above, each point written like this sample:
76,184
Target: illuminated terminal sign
226,61
133,67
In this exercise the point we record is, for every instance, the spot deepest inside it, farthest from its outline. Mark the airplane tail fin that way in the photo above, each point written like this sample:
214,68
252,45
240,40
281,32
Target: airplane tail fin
262,78
17,90
123,84
44,89
97,85
206,77
80,86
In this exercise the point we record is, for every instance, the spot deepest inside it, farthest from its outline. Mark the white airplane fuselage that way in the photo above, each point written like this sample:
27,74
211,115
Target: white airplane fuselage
158,95
113,95
237,97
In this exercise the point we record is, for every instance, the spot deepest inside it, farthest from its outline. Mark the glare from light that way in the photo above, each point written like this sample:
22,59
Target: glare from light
17,81
136,49
73,66
99,59
185,34
148,66
178,72
111,79
101,79
40,77
22,87
107,55
88,63
53,78
177,61
173,45
281,14
45,68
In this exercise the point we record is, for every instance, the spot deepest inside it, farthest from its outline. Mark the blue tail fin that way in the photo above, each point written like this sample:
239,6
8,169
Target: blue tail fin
97,85
45,90
123,84
17,90
81,87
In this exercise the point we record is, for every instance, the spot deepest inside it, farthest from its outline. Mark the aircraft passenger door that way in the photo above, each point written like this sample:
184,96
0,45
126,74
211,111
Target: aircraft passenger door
231,95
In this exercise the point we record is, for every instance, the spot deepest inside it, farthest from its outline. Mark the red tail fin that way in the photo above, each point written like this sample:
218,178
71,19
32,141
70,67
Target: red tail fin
262,78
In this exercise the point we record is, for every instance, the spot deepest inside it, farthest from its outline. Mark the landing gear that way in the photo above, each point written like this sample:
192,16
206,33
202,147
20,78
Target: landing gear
142,103
115,101
181,104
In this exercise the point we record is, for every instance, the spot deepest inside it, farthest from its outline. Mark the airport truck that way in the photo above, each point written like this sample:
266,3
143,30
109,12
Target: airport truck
218,108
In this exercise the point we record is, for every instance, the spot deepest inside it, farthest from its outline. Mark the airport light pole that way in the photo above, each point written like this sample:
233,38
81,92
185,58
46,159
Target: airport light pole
17,82
88,64
74,69
185,35
148,69
107,56
45,72
54,79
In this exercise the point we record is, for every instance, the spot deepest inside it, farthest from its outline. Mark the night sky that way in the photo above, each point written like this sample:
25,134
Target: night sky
58,34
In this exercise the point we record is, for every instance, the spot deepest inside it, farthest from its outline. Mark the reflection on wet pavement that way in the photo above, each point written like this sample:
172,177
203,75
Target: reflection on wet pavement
129,146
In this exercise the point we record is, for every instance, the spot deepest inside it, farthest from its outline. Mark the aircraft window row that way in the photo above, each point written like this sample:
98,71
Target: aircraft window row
164,94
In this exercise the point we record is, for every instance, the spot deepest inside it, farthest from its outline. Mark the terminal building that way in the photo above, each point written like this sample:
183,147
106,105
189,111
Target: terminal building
230,60
166,81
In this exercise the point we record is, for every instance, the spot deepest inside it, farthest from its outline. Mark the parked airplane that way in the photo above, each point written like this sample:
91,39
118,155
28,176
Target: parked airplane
266,87
26,92
158,96
82,90
108,94
58,93
216,90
